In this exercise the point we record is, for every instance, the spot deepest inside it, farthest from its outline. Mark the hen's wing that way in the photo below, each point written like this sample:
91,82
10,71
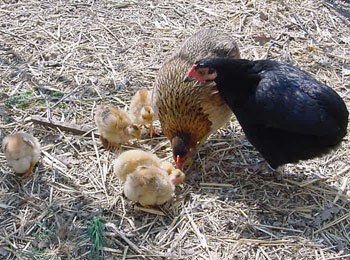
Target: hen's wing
288,98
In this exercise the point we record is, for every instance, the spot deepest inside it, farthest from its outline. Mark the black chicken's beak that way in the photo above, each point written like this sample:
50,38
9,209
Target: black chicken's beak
188,79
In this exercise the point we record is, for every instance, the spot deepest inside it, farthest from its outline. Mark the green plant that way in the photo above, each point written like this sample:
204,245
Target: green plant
22,101
95,232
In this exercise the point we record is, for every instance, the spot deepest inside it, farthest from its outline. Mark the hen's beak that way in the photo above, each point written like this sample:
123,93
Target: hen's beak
188,79
179,162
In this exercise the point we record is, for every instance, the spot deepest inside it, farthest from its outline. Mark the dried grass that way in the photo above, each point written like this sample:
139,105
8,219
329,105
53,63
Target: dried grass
58,59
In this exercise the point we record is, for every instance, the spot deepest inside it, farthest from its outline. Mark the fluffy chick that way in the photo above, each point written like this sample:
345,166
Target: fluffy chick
140,108
115,126
176,175
128,161
150,185
167,166
22,152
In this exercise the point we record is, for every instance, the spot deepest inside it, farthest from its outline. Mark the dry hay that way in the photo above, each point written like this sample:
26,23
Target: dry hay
58,59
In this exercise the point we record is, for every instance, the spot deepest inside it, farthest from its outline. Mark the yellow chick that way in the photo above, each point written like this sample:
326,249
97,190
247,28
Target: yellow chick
22,152
140,108
128,161
115,126
176,175
150,185
167,166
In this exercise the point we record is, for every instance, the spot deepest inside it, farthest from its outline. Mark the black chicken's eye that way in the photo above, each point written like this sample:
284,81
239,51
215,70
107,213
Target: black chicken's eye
211,70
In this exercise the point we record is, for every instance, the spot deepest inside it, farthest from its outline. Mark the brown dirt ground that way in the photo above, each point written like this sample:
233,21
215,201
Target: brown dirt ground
58,59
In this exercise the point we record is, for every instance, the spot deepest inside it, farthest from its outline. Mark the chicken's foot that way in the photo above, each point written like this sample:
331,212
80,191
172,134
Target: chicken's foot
30,170
264,169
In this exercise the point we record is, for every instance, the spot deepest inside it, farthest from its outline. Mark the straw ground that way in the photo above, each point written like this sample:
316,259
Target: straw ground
59,59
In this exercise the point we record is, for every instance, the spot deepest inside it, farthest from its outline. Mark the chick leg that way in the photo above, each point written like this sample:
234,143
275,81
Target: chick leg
105,143
150,209
148,206
111,144
152,132
30,170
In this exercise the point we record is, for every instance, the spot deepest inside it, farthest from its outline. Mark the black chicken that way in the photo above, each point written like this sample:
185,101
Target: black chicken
286,114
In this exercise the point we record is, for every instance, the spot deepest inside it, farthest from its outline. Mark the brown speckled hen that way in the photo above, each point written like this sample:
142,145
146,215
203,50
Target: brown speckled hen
190,111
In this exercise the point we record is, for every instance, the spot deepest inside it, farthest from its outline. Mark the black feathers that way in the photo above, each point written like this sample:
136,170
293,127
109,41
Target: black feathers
285,113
